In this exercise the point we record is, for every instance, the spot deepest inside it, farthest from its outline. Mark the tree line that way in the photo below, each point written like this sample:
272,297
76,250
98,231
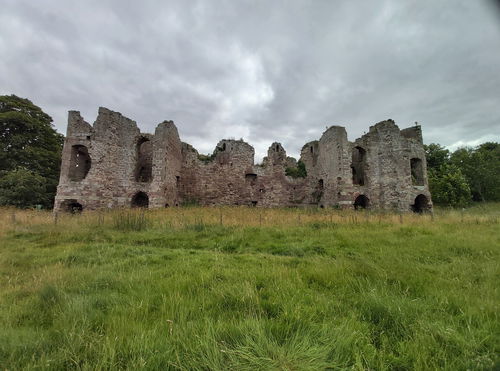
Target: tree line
465,175
30,157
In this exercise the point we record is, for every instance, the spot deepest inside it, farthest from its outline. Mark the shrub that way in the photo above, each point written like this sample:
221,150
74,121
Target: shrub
297,172
206,158
23,188
449,186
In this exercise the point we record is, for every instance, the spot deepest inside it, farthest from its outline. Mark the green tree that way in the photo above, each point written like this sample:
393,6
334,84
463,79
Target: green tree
449,186
23,188
28,141
436,156
297,172
481,168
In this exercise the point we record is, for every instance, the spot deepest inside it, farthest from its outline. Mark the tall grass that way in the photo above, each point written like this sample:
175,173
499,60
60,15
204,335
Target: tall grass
246,288
126,220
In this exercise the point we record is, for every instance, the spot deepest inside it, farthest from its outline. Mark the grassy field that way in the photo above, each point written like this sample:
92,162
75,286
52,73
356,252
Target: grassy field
248,289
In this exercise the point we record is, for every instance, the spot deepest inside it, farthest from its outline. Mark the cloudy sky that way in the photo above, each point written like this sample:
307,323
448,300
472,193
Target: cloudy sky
270,70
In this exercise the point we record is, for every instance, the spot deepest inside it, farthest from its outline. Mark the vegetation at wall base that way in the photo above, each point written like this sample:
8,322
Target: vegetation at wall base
249,288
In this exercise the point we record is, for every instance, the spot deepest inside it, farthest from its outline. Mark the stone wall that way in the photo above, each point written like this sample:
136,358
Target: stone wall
111,164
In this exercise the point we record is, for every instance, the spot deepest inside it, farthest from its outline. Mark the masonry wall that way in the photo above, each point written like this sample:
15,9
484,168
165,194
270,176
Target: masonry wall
112,144
385,169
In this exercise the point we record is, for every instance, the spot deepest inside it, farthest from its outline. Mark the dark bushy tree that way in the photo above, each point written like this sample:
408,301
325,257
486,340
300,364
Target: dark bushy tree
481,167
449,186
28,142
436,156
23,188
297,172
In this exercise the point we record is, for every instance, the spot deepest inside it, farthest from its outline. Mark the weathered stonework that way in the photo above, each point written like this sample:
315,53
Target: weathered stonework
112,164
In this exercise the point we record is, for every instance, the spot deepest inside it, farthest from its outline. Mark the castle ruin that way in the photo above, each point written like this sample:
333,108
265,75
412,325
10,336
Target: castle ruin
112,164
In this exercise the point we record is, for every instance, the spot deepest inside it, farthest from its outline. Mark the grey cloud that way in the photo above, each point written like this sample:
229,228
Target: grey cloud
265,71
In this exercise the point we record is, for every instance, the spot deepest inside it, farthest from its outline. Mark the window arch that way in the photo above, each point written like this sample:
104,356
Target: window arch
144,166
80,163
358,166
417,172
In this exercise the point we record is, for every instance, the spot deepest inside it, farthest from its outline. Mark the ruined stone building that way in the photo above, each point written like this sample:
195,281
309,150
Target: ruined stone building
112,164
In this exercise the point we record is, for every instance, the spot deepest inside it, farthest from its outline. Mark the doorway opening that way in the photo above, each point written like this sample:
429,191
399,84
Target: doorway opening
140,199
361,202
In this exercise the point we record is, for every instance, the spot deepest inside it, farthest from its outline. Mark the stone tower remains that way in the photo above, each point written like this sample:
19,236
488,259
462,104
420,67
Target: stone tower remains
112,164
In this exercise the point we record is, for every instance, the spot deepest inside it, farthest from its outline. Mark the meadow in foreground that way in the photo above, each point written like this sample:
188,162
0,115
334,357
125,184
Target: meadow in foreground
241,289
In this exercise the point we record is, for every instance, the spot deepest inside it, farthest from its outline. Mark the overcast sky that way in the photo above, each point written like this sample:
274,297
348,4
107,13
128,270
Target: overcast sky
264,71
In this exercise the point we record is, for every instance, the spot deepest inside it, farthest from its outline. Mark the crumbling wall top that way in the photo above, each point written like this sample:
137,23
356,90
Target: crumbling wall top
414,132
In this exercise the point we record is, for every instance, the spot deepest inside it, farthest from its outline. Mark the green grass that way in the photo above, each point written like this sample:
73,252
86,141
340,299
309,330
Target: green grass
275,289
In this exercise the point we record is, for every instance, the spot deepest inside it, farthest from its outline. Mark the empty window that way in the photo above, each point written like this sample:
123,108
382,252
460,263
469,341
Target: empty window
361,202
144,167
358,166
421,204
140,199
417,172
79,164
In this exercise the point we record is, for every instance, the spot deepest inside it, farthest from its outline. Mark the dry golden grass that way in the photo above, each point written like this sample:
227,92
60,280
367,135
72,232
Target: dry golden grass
11,218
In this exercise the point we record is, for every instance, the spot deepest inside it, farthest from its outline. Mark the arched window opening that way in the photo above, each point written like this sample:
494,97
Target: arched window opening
361,202
358,166
321,184
140,199
417,172
144,167
71,206
79,164
421,204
